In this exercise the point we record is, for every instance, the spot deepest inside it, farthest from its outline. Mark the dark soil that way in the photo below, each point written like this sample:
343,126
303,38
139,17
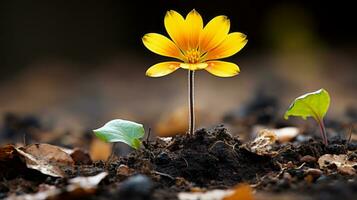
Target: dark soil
209,159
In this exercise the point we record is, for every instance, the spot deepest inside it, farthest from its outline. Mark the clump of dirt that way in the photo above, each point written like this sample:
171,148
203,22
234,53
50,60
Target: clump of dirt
206,159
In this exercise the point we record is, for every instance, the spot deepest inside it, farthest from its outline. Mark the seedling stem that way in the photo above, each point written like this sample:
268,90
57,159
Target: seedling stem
322,130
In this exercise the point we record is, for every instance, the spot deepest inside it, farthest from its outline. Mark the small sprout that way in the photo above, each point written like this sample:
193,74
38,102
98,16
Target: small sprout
315,105
119,130
195,46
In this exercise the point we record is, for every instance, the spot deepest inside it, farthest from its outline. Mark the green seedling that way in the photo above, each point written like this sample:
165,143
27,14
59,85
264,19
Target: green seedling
315,105
119,130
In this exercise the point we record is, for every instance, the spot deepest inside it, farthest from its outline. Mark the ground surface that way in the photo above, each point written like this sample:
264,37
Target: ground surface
209,159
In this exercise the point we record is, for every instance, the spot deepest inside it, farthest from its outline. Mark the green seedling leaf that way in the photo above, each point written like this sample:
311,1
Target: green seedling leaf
119,130
314,104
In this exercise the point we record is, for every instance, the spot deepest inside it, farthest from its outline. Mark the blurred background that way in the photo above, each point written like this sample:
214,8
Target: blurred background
71,66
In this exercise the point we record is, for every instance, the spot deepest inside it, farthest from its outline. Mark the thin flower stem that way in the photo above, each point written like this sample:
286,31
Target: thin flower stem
191,101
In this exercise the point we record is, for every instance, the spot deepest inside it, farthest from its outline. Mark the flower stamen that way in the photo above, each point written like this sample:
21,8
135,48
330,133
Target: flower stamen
193,56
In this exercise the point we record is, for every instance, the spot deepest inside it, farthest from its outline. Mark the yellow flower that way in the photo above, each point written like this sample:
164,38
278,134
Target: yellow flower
197,47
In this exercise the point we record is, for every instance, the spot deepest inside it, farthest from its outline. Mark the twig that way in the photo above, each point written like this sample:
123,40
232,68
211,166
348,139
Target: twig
164,174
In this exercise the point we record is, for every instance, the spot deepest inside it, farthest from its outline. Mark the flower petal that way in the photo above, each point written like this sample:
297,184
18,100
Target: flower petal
214,33
176,27
233,43
162,69
191,66
194,24
161,45
222,69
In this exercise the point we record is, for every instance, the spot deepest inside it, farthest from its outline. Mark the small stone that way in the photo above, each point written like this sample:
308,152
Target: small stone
162,158
313,172
123,170
138,187
308,159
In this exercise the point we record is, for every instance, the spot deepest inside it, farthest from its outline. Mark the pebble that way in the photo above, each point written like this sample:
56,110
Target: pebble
162,158
123,170
308,159
138,187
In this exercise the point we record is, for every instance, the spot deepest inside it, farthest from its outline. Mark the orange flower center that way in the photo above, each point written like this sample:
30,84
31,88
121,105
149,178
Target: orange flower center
193,56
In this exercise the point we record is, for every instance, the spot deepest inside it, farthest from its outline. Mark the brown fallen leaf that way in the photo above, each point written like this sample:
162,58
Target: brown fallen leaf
54,154
241,192
344,166
262,145
48,159
99,150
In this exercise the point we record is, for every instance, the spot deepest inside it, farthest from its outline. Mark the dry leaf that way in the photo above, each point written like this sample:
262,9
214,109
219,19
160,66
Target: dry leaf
262,145
48,159
53,154
344,166
241,192
99,150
